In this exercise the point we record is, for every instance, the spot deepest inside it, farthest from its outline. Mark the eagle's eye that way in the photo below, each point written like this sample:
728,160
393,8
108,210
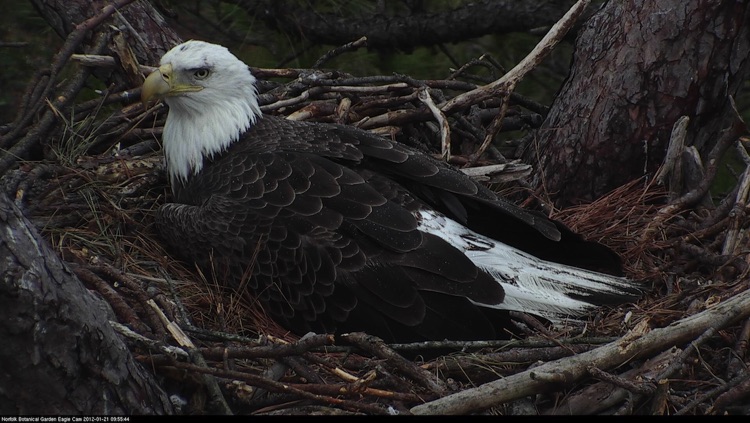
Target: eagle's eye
201,73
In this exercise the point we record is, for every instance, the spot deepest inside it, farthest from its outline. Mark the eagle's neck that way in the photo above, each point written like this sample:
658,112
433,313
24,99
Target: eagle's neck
203,128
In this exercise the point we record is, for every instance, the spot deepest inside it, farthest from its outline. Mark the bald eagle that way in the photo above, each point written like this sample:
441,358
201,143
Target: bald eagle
335,229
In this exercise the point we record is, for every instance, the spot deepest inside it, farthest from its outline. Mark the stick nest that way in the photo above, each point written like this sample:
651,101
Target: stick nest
95,196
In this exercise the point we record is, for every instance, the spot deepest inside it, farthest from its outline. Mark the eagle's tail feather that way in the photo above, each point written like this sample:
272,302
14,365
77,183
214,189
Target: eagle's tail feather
550,290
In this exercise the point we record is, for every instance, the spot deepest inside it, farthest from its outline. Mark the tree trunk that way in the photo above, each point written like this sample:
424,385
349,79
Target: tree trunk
59,353
638,66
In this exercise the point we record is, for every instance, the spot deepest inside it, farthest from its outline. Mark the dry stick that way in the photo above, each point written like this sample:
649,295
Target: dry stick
533,323
314,109
274,386
305,344
515,358
573,369
394,117
320,90
377,347
215,394
498,173
367,90
674,150
672,166
423,93
508,81
736,362
358,390
279,368
732,396
210,383
102,61
116,275
211,335
705,255
660,398
381,79
705,233
473,62
643,388
299,366
680,360
170,352
340,50
495,126
329,367
341,115
498,343
290,101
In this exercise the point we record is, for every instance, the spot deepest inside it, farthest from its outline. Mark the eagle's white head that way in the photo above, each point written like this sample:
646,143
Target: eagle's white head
212,100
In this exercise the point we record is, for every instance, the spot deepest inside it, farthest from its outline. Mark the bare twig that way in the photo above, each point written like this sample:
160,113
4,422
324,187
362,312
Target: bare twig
274,350
340,50
445,130
642,388
495,126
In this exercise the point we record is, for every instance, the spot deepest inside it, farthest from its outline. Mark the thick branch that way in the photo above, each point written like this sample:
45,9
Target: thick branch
418,27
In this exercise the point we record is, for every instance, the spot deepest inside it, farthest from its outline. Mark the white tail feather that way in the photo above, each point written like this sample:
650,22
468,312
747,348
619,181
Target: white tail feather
550,290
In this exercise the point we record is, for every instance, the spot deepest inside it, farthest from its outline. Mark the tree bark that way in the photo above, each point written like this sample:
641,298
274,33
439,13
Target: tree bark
417,27
59,353
145,30
637,68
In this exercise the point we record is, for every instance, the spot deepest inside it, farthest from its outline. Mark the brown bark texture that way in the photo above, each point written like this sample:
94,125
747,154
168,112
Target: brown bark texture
60,355
638,67
145,30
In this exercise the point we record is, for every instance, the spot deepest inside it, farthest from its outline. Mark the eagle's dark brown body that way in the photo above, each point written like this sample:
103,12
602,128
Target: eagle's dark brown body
317,222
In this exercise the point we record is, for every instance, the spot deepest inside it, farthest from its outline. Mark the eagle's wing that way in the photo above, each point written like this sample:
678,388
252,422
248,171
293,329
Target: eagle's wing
441,187
323,245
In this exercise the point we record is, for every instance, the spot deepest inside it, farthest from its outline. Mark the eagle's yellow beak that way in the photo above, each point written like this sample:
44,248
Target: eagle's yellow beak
164,82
